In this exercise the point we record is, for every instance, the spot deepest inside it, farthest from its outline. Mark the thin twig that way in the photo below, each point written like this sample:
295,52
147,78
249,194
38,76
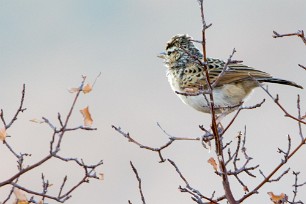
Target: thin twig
299,33
195,192
139,182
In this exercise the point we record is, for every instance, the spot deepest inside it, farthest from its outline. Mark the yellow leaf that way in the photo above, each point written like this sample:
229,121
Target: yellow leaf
87,117
282,198
87,88
37,121
73,90
2,134
21,197
22,202
212,162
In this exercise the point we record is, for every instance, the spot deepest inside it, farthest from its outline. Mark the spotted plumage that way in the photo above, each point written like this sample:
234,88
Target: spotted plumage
186,74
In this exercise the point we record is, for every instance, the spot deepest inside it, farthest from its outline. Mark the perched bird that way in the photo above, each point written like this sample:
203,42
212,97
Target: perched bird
186,75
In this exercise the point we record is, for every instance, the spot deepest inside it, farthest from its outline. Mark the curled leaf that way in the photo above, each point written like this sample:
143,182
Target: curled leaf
2,134
282,198
87,117
87,88
212,162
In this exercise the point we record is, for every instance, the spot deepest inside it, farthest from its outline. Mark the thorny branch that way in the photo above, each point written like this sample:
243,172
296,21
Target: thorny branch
57,136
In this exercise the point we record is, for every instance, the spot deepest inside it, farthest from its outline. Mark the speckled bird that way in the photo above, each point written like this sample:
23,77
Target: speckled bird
186,75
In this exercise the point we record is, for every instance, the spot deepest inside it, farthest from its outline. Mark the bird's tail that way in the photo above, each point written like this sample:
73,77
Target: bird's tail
279,81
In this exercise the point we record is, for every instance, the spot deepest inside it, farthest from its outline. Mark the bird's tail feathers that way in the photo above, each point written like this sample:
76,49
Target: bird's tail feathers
279,81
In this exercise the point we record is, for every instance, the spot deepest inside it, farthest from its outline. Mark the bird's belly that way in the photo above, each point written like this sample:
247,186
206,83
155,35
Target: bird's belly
224,99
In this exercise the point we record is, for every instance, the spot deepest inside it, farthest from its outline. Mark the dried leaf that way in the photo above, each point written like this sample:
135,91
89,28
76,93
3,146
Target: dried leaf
20,196
73,90
277,199
87,88
101,176
22,202
87,117
37,121
2,134
212,162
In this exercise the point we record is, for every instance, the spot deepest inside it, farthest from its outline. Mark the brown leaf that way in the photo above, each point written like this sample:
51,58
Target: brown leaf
87,117
20,196
2,134
278,199
212,162
87,88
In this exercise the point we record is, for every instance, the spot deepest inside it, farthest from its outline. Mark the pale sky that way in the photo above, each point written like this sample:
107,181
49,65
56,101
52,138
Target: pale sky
49,44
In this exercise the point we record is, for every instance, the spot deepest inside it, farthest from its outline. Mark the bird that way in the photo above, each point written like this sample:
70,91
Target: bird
187,76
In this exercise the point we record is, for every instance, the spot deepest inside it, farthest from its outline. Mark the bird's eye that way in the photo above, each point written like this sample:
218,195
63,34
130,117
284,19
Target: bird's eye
169,52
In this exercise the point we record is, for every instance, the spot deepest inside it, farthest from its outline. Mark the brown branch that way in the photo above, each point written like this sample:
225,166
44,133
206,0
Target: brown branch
89,170
267,179
237,113
276,101
70,112
302,66
158,150
188,188
139,182
214,123
204,28
299,33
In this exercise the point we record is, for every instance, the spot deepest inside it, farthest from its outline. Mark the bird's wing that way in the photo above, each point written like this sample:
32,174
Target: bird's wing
234,73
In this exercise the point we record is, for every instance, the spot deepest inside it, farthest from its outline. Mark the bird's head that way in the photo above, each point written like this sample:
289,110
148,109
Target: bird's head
179,51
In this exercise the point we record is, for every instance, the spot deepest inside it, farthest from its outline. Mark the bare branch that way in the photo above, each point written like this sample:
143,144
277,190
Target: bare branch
195,193
296,186
19,110
302,66
299,33
158,150
139,182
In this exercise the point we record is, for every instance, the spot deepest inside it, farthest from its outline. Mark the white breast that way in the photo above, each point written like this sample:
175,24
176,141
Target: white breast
228,95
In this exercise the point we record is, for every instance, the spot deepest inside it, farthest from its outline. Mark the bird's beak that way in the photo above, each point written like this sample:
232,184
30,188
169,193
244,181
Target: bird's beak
162,55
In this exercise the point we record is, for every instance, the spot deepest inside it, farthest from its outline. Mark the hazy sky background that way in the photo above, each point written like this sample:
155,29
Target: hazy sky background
49,44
